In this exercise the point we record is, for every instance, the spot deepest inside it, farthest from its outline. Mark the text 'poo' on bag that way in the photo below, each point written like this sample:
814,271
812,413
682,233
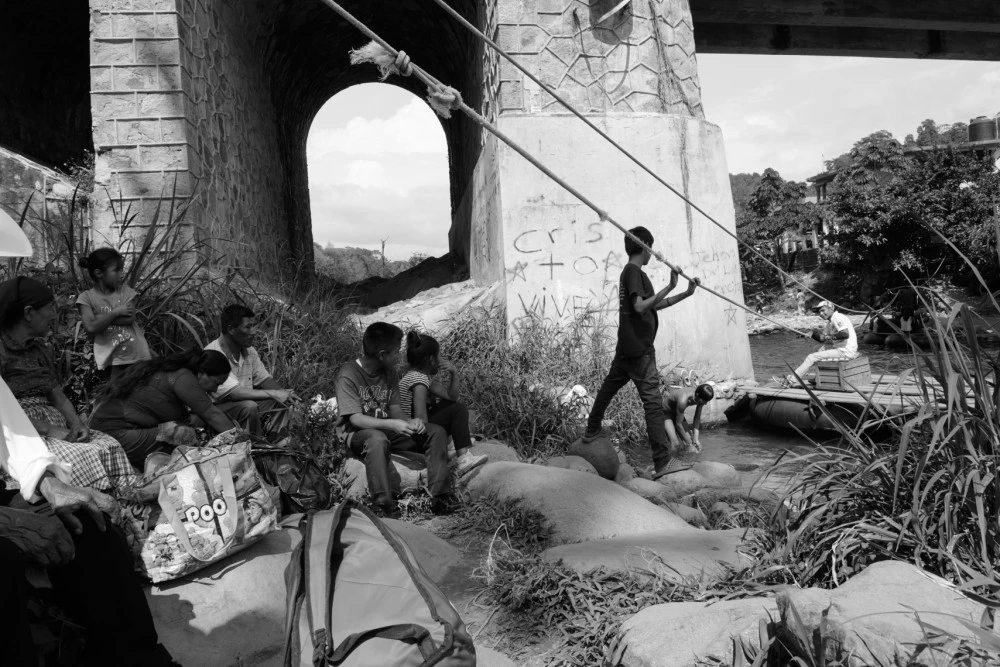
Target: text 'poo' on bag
358,598
210,503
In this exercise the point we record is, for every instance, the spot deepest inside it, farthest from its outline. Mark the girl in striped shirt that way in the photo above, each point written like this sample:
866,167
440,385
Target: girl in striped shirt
423,397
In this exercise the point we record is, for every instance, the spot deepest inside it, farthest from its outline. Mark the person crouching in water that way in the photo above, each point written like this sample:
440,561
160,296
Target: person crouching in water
375,426
684,437
422,396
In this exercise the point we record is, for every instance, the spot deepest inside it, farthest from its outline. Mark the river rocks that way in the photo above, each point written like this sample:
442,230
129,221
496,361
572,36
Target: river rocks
230,613
600,453
357,481
572,463
496,450
872,617
576,505
650,490
435,555
685,634
686,552
701,475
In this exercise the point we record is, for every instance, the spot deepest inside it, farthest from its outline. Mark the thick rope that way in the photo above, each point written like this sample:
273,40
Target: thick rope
569,107
436,88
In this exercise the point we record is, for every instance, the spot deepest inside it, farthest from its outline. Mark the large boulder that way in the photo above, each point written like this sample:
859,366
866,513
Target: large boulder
496,450
685,553
486,657
686,634
873,618
230,613
599,453
576,505
571,463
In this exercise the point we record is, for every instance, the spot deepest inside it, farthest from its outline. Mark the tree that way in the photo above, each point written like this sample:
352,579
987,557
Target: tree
743,186
776,209
874,159
928,134
887,224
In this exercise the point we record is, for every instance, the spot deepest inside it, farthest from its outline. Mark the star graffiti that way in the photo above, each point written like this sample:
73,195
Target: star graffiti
731,315
518,272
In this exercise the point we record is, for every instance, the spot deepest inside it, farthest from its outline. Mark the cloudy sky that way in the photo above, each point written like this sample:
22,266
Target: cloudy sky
378,164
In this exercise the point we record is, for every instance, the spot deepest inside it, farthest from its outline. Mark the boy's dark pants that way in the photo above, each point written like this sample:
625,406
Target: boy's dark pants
374,446
642,372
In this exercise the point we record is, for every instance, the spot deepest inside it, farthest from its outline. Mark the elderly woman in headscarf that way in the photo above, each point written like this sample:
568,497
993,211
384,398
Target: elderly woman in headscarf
30,368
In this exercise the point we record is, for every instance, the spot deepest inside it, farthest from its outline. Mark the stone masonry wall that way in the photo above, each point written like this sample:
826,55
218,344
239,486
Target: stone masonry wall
182,114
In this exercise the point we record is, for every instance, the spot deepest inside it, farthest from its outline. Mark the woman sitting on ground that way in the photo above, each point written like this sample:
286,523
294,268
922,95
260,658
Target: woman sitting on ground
29,365
148,407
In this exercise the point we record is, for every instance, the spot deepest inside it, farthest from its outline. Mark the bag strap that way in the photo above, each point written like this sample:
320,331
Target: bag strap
405,632
323,555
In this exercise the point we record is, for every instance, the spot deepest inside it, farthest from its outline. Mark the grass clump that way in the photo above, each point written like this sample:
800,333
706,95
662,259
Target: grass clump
514,382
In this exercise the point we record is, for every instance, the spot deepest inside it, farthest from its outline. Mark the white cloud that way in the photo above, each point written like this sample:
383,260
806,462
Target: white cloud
379,178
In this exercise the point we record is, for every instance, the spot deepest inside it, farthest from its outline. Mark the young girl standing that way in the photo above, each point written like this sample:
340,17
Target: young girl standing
108,313
428,399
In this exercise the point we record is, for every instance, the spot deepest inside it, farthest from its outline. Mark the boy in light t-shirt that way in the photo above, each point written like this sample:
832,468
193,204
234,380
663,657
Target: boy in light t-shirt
840,342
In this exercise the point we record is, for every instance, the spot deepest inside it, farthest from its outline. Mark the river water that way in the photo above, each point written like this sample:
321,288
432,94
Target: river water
753,449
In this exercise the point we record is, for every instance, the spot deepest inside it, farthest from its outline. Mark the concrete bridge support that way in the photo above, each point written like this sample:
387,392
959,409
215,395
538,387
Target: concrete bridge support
635,74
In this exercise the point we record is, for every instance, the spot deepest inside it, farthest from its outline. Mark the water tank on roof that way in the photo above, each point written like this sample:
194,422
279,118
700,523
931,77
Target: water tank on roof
982,129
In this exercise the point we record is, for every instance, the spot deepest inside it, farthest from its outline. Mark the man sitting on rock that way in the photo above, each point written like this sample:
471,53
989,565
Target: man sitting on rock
840,343
88,561
249,395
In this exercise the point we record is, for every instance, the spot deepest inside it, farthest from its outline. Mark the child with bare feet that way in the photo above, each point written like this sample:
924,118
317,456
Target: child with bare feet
683,436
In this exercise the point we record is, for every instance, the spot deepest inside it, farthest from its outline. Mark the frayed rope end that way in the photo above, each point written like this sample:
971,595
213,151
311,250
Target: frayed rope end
444,100
387,64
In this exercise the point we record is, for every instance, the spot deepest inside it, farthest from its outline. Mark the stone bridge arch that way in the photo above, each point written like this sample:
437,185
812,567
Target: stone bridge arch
219,98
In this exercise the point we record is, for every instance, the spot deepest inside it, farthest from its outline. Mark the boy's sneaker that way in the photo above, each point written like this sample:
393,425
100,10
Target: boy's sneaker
589,436
673,465
468,461
442,505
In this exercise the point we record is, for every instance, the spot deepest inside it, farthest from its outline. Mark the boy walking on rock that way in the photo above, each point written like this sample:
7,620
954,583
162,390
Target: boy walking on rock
635,358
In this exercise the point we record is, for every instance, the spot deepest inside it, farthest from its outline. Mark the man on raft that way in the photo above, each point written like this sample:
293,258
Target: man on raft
840,343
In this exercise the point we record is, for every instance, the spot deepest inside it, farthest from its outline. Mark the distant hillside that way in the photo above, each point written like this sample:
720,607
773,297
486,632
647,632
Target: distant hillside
352,265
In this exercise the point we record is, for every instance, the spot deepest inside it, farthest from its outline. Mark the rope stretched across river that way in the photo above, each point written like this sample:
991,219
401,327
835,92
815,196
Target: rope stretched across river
445,98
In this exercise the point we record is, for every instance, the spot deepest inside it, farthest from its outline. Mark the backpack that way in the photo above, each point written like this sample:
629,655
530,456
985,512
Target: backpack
357,597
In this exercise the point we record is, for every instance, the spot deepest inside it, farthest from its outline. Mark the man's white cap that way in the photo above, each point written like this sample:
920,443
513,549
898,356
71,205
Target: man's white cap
13,241
825,304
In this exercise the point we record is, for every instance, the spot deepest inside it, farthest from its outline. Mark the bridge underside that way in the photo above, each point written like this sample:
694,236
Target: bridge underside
942,29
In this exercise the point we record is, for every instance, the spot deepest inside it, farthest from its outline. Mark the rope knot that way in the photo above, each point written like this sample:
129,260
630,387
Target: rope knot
402,64
444,99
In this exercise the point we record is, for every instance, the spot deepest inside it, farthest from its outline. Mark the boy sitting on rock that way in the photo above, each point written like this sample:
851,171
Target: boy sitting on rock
368,400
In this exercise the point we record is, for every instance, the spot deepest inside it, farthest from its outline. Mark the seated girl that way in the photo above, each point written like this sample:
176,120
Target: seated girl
431,401
148,407
30,368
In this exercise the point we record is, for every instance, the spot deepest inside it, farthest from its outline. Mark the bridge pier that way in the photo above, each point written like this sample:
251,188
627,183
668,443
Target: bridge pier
635,76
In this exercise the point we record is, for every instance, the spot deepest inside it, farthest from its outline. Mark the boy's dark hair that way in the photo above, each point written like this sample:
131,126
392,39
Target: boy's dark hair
704,393
419,348
644,235
100,260
232,315
380,336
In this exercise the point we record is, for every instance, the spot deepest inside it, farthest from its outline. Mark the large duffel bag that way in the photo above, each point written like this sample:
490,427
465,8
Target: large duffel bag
357,597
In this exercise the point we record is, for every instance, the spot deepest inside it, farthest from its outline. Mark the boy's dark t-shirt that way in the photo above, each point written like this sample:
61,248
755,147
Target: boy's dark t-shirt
359,392
636,331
